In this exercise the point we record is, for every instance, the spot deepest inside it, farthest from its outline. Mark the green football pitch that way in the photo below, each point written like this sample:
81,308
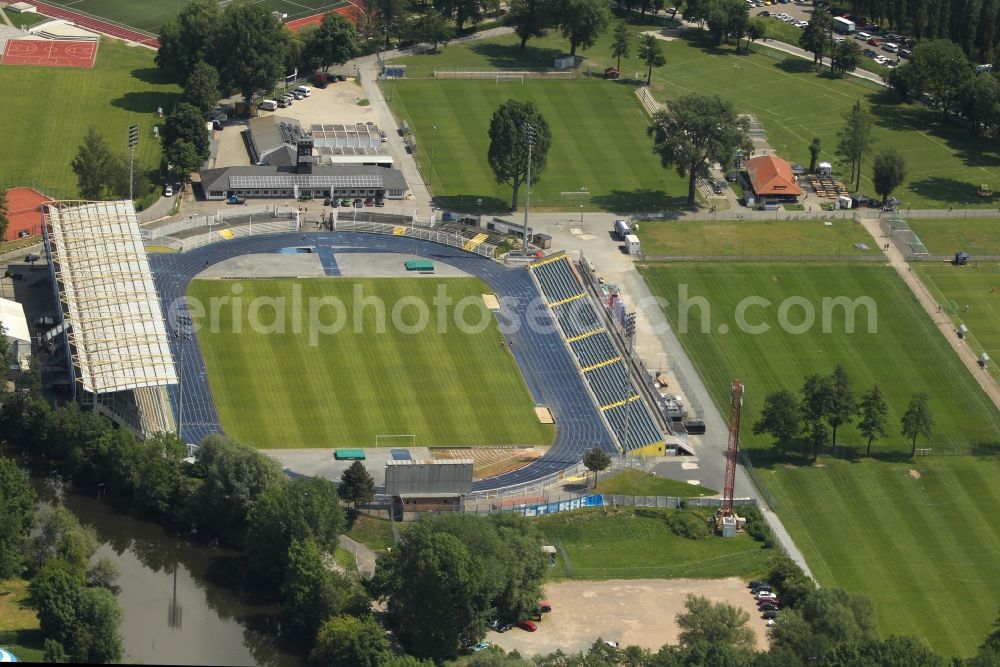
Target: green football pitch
149,15
942,236
599,143
286,388
905,354
920,539
123,87
977,287
945,163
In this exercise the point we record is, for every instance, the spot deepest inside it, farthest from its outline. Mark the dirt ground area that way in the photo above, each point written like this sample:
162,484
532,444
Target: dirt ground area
636,611
492,461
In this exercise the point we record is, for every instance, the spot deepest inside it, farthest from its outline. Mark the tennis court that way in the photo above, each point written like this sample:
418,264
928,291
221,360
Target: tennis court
50,53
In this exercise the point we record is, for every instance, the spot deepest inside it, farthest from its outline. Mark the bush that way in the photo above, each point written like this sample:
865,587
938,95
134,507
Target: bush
756,527
692,525
792,584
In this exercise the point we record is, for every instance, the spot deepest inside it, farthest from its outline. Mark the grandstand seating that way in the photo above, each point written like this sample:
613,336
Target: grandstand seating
594,349
610,383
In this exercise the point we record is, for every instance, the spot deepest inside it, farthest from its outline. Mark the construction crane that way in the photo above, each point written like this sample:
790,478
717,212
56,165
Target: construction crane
726,516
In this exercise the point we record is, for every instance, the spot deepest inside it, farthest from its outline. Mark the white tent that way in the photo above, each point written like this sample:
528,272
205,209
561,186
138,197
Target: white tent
15,326
825,169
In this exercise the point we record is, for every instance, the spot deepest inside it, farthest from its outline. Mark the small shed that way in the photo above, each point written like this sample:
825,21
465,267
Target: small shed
961,258
565,62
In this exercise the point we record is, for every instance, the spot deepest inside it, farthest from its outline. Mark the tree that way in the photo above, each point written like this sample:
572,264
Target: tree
917,420
814,149
513,125
888,172
790,581
727,18
451,573
936,67
815,37
978,100
529,18
183,158
311,592
254,49
356,485
201,90
711,623
621,42
287,512
756,30
334,42
845,57
873,411
431,28
56,593
190,38
461,10
596,460
779,417
233,477
186,123
91,165
62,537
583,21
696,132
817,402
96,637
855,139
4,221
843,407
17,505
651,53
347,641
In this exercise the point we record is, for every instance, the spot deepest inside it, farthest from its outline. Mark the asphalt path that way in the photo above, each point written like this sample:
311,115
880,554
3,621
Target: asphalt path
540,353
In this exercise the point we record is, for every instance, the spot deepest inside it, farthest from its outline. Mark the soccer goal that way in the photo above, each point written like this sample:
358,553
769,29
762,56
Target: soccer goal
574,199
395,440
505,78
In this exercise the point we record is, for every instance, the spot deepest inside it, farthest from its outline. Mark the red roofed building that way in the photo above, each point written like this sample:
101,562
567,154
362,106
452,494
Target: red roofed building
772,178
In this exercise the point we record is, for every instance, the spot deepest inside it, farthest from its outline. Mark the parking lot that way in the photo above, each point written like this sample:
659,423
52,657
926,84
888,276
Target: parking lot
637,612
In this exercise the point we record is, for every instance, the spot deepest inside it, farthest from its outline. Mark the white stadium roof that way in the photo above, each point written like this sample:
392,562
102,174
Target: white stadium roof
12,318
116,328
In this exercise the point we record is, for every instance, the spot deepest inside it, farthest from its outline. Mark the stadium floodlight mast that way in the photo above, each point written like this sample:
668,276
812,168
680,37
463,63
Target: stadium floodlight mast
529,131
133,139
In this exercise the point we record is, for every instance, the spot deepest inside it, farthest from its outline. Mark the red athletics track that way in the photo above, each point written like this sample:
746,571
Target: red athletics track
350,13
24,213
50,53
96,24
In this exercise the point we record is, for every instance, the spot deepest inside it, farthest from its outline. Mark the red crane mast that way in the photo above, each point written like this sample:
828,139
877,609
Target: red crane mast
735,408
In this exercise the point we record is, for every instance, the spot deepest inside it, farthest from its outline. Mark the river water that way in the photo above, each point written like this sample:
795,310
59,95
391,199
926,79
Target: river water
174,611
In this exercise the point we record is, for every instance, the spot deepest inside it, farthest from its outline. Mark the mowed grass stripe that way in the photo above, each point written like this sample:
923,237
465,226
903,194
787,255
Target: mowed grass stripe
452,388
907,354
925,550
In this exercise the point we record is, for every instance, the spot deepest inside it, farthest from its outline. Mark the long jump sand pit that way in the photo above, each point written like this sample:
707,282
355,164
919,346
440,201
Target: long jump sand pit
639,612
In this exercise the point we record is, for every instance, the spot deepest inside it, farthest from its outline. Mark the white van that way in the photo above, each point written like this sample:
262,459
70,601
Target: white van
268,105
304,90
890,47
863,36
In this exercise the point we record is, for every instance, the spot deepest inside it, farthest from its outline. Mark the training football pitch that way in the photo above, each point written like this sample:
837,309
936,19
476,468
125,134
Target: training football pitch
149,15
977,287
288,389
906,354
918,538
754,238
945,162
976,236
599,143
48,111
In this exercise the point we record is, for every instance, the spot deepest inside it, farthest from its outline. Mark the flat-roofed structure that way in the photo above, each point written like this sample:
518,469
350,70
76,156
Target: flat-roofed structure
354,135
116,338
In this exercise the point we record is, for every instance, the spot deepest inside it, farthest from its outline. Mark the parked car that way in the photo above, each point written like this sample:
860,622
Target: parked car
528,626
762,595
320,84
345,202
168,191
326,202
869,53
717,187
481,646
359,203
381,202
770,614
369,201
757,583
282,103
545,606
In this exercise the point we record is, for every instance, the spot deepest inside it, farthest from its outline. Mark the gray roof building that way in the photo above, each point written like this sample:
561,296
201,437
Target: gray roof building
288,181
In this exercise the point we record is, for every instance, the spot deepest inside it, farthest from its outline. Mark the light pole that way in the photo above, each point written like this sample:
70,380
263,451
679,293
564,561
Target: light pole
736,71
430,175
530,138
133,139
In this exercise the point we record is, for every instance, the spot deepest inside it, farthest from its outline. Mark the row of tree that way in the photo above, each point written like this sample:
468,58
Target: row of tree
817,39
828,402
247,47
855,142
